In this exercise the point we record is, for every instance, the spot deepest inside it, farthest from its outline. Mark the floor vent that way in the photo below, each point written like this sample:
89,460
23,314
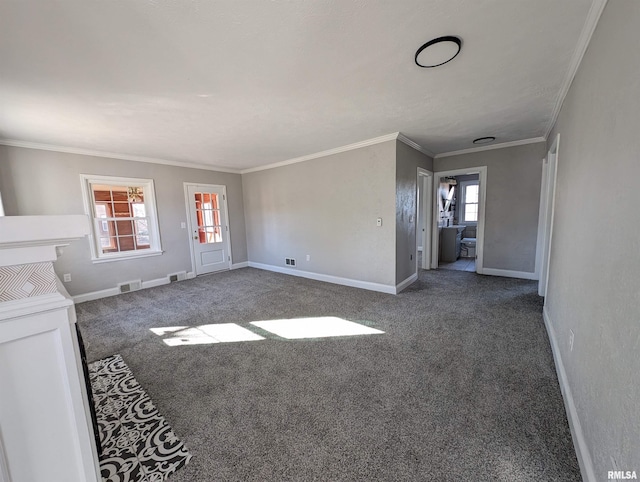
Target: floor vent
130,286
290,261
180,276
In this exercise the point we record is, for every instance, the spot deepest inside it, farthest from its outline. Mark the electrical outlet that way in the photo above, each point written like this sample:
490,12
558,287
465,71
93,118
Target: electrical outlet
379,222
308,257
66,277
571,336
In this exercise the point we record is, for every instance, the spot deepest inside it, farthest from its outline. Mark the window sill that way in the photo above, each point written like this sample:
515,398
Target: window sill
126,257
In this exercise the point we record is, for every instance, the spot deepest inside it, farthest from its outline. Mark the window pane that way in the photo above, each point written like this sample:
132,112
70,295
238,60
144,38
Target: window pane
471,194
142,227
126,243
102,193
208,217
121,210
471,212
143,242
101,210
139,210
210,234
108,244
124,227
216,218
105,228
119,193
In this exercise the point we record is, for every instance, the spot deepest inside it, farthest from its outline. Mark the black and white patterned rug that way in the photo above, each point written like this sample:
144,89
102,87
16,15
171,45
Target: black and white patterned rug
137,443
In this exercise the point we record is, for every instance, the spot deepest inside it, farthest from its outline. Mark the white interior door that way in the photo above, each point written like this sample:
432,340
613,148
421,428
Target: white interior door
424,211
209,228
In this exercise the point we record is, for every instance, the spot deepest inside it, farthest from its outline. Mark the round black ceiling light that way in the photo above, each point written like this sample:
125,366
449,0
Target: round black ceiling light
484,140
438,51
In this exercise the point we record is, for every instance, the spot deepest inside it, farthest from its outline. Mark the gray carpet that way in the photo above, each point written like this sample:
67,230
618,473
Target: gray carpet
461,386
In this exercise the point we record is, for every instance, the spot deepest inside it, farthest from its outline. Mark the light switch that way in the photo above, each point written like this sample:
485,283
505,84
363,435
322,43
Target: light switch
379,222
183,225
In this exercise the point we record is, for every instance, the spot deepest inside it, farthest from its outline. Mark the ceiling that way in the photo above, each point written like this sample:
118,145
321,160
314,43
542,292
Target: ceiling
242,84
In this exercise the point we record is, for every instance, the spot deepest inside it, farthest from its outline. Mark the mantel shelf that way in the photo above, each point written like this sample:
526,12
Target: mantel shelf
34,239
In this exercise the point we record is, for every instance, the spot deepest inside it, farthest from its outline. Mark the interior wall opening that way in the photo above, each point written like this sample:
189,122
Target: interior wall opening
458,219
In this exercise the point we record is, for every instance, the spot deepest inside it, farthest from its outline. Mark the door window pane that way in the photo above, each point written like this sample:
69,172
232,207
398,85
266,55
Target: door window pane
208,217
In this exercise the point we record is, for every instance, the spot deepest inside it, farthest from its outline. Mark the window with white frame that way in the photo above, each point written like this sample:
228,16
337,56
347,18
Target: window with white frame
123,216
470,193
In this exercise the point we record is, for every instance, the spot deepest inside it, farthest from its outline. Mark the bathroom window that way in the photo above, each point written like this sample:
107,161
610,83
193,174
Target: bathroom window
123,215
470,193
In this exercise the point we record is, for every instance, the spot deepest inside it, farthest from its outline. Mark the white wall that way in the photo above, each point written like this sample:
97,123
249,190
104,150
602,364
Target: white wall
514,175
594,277
36,182
326,208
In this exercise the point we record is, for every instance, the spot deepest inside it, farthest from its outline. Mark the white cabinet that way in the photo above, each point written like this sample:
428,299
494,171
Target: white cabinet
45,427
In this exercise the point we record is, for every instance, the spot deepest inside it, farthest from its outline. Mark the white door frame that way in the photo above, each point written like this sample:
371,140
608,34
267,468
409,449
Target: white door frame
545,218
435,244
425,212
187,203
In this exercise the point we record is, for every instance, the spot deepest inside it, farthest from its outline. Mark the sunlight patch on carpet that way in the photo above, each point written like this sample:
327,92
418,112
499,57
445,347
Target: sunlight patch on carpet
206,334
317,327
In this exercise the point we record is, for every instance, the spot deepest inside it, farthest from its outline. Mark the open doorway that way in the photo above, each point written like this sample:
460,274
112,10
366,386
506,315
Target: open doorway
458,219
545,219
424,216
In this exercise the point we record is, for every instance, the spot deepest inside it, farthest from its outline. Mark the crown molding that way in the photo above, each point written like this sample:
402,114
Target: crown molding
597,7
113,155
404,139
329,152
522,142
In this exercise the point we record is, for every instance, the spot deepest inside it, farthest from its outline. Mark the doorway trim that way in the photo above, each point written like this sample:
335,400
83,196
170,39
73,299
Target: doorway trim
482,176
425,211
545,218
187,203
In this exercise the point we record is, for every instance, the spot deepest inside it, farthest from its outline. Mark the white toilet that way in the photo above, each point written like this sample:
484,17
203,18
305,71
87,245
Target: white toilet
468,247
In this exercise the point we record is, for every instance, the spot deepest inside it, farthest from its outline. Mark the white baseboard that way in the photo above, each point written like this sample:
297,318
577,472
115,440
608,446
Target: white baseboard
96,295
509,274
367,285
191,275
244,264
403,284
579,442
155,282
